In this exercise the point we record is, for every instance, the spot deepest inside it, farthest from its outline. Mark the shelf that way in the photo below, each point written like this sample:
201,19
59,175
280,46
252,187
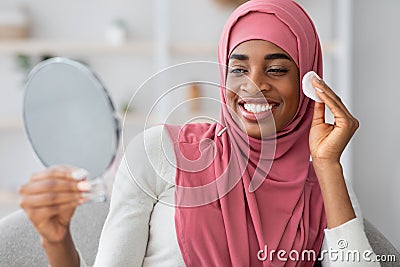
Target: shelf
140,48
194,49
36,46
145,48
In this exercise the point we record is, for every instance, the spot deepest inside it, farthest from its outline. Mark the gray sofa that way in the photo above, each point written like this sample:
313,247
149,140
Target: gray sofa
20,246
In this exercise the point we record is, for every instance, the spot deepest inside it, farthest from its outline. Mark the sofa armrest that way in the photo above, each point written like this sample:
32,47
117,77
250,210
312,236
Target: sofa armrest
381,245
20,243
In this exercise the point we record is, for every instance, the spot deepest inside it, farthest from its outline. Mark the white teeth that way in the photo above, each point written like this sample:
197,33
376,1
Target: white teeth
257,108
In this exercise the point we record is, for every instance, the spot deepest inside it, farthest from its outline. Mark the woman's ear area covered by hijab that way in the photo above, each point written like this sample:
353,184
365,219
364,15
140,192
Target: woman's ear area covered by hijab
262,81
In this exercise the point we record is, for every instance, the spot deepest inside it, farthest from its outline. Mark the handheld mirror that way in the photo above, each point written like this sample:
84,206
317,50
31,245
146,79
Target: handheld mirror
70,119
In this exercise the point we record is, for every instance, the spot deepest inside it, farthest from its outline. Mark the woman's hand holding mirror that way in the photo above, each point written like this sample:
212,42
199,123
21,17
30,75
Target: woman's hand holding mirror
50,198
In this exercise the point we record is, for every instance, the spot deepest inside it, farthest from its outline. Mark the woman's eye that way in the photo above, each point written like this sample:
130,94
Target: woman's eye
277,71
238,70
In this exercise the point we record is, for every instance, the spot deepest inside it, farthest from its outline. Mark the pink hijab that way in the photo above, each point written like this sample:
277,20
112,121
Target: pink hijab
239,198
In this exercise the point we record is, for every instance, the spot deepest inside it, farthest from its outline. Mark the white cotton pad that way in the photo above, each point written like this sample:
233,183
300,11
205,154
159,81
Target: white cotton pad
308,88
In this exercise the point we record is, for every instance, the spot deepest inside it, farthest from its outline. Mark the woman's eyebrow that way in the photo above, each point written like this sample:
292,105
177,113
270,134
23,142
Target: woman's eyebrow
277,56
239,57
266,57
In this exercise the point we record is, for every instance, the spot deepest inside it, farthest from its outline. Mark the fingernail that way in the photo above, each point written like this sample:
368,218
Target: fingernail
79,174
319,90
318,80
317,76
83,186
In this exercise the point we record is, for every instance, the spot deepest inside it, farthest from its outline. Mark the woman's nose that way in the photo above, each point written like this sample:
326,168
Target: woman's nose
257,81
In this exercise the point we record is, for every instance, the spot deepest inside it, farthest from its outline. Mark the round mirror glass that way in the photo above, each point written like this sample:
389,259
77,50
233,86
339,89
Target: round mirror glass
69,117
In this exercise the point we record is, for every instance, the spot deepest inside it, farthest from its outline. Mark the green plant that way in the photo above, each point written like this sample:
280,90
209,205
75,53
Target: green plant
24,62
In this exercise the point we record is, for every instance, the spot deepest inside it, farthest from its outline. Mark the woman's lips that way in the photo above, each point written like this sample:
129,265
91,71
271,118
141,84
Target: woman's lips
256,109
254,116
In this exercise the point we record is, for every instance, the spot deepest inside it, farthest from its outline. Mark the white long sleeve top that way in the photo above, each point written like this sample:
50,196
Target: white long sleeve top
140,228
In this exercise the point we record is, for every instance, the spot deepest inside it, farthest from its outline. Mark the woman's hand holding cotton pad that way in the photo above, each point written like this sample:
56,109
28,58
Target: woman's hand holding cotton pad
308,88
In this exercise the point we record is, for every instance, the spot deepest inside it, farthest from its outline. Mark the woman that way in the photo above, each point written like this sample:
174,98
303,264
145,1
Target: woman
244,190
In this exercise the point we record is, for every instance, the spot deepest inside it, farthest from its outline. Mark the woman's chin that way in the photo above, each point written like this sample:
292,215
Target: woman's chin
260,132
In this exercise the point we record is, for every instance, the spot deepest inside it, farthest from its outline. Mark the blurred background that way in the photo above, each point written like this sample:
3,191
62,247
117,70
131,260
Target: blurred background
125,42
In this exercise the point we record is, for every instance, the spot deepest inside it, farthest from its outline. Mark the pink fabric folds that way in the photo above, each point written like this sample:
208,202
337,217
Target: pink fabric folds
238,198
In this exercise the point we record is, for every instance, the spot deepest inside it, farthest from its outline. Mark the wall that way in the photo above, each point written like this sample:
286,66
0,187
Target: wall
376,101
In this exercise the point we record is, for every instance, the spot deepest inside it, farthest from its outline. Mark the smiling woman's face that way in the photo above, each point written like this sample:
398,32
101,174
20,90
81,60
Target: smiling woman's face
262,78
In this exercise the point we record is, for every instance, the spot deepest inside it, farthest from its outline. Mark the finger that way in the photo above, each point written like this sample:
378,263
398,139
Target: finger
49,199
54,185
319,114
60,172
342,119
320,84
334,107
332,100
